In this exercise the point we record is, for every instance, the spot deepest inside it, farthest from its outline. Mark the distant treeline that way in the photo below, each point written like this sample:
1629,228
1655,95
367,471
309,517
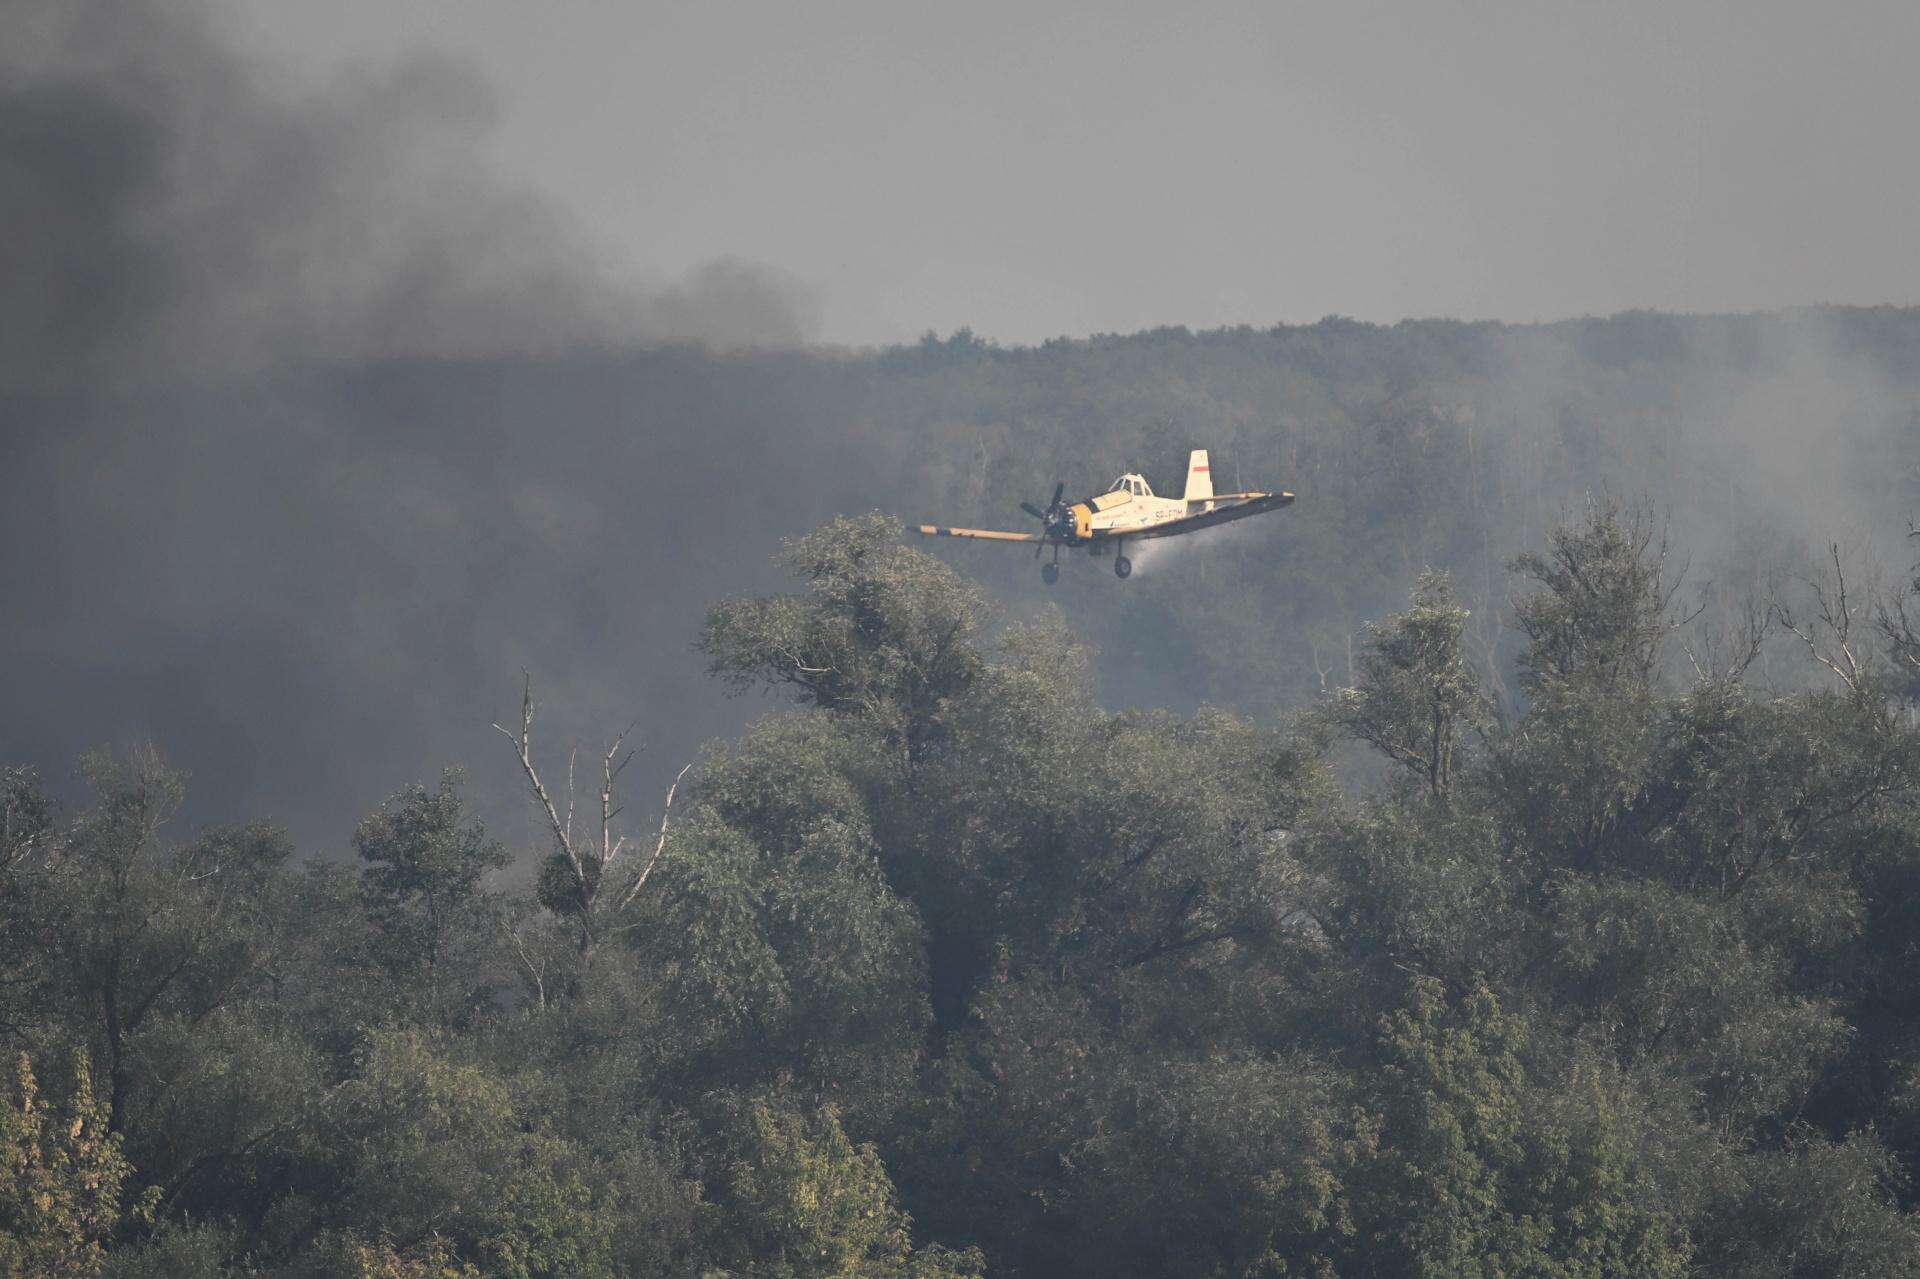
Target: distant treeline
1612,970
364,555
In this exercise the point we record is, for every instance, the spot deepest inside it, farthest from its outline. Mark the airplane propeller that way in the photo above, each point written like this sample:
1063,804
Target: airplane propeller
1050,517
1052,513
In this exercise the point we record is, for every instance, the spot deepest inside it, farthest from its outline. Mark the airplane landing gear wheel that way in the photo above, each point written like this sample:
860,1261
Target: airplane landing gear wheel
1122,566
1049,573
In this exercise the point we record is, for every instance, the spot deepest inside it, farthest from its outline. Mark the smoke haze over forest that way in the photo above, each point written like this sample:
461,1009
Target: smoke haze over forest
319,430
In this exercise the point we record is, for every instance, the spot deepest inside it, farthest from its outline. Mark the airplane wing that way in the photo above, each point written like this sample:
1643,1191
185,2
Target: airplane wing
992,535
1233,506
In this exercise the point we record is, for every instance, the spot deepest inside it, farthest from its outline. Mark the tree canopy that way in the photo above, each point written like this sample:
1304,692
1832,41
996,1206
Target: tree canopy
1594,964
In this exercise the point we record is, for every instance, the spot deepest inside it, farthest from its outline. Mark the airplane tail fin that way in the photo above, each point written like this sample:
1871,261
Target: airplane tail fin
1199,477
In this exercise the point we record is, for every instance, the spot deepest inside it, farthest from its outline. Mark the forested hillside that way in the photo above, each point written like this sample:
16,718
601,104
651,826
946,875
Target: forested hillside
944,969
364,555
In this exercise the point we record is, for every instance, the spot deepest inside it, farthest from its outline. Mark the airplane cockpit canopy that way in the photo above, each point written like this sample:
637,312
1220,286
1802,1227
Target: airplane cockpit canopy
1134,484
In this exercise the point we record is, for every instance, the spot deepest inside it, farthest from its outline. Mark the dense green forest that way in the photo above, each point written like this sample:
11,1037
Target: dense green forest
1606,968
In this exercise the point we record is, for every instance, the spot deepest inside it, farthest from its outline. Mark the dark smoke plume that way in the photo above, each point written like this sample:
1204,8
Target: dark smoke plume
170,210
236,519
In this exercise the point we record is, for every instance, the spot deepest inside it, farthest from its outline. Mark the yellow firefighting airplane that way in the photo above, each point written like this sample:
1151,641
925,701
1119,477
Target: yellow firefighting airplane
1128,509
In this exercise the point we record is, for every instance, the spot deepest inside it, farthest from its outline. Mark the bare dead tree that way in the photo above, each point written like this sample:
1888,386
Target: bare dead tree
1485,631
562,830
1723,650
589,864
1829,632
1320,668
536,949
1897,618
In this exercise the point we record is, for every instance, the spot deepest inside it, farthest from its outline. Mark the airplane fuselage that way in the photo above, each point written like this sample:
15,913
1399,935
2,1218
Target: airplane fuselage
1122,511
1132,509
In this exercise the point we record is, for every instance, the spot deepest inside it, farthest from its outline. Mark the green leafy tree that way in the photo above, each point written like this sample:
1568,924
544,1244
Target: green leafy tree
1071,1145
1666,973
1479,1172
345,1255
219,1103
62,1178
802,1201
138,930
419,1144
27,828
424,898
1424,888
1047,831
1594,627
1597,618
1416,693
1812,1207
883,632
174,1251
780,943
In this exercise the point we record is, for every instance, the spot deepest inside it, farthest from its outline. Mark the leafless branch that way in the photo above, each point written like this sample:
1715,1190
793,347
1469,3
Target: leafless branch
536,973
1725,652
666,812
609,773
572,757
1834,612
1895,620
523,743
800,665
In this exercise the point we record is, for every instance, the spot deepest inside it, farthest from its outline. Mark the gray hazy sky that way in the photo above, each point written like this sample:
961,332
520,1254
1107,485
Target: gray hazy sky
1039,169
